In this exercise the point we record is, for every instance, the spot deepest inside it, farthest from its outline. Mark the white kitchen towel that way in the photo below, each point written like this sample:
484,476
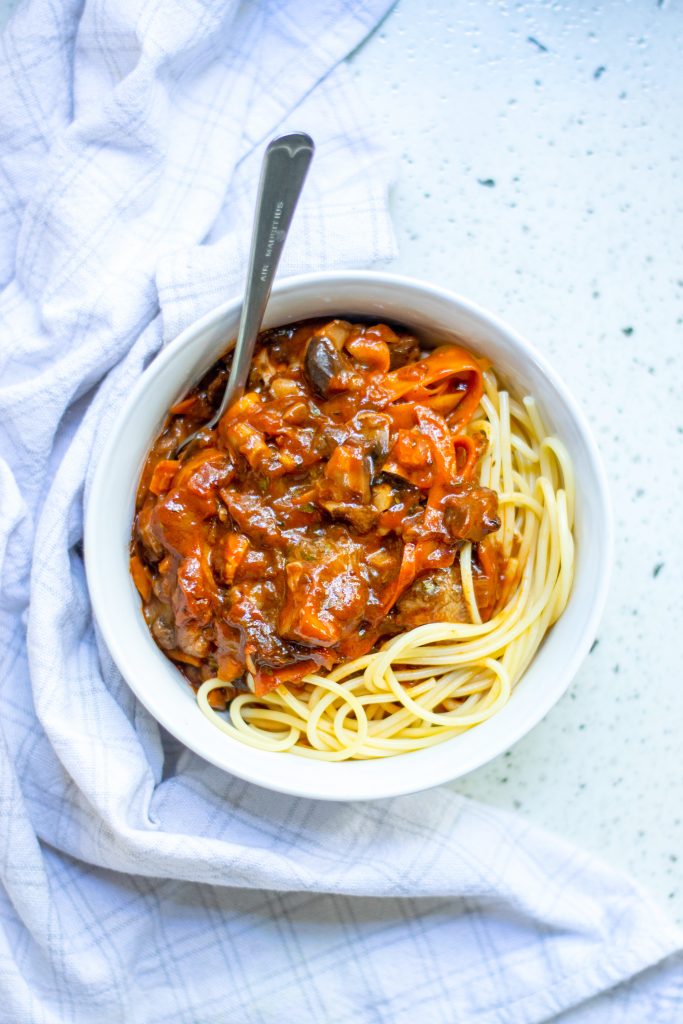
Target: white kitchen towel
140,884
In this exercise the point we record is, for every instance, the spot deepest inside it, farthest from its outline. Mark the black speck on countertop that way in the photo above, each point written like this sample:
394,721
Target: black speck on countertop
599,71
537,43
487,182
657,569
628,331
594,645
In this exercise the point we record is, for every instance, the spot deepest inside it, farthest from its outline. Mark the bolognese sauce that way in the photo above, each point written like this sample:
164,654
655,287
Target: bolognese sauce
326,511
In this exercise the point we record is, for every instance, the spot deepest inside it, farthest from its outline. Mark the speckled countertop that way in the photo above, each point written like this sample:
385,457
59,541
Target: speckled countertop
537,152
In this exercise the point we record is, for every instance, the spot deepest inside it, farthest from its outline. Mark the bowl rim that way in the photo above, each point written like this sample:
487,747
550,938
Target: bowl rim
442,772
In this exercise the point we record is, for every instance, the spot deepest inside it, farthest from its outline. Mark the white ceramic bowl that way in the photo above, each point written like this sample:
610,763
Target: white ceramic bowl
159,685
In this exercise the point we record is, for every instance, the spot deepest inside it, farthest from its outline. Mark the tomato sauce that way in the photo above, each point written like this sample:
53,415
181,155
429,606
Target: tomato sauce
324,513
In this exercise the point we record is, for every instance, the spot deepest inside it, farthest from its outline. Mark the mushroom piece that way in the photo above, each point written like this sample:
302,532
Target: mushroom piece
361,517
471,513
434,597
403,349
322,363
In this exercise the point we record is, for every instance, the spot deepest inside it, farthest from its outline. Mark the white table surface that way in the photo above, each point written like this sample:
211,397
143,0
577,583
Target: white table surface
537,152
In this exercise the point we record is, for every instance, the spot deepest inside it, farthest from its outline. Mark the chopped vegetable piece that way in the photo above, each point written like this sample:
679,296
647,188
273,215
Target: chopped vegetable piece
142,578
163,474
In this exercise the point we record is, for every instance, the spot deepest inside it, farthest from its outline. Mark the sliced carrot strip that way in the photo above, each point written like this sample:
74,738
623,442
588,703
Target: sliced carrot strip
186,659
142,578
184,407
234,550
406,576
471,449
445,404
444,362
266,681
402,415
216,699
162,476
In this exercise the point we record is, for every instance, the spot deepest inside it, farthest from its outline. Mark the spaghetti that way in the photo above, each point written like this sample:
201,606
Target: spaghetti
432,682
